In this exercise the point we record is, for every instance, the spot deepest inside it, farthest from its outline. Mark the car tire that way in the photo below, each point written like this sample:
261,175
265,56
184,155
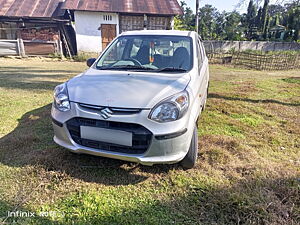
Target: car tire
190,159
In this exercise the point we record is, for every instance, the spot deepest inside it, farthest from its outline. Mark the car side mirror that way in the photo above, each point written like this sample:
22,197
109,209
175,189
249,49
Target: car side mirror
90,62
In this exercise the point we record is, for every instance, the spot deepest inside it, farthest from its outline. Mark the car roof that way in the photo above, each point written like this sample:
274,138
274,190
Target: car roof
159,32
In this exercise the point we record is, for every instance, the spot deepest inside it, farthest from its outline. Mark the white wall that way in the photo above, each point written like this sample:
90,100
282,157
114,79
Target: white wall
88,35
218,46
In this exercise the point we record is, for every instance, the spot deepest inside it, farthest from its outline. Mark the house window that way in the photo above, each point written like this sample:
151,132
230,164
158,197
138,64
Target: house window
131,23
107,17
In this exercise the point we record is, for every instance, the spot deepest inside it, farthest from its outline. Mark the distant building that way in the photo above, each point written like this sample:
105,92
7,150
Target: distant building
277,32
42,27
98,22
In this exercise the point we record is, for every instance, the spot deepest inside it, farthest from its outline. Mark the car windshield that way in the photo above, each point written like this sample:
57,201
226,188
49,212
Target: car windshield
160,53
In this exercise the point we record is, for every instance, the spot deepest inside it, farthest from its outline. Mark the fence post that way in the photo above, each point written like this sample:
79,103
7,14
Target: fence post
59,49
21,48
18,47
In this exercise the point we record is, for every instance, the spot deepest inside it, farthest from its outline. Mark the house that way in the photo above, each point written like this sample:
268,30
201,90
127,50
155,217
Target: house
35,27
98,22
277,32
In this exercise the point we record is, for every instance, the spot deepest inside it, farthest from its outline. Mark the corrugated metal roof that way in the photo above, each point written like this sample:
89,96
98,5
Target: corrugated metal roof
30,8
161,7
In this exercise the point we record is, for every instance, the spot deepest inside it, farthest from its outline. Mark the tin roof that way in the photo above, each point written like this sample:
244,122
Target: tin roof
30,8
160,7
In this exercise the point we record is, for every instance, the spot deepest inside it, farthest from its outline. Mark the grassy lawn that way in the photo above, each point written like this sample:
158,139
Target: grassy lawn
248,170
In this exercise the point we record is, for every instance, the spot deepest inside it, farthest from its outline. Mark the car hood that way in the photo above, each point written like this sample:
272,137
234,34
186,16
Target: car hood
125,89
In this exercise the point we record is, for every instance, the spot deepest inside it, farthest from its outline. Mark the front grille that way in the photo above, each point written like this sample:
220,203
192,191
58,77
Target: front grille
141,137
116,111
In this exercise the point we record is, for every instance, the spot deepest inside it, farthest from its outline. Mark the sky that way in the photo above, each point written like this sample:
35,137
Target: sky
227,5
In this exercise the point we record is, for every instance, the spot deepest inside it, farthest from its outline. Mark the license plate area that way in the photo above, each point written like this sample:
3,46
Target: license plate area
118,137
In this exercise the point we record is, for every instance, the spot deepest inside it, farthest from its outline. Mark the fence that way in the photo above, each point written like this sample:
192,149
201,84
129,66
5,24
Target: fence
257,61
266,62
219,57
8,47
29,48
264,46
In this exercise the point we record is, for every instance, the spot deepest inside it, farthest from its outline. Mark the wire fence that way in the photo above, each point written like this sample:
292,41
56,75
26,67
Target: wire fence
286,61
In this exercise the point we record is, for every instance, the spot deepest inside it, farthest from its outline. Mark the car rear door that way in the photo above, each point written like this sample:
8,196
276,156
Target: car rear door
202,70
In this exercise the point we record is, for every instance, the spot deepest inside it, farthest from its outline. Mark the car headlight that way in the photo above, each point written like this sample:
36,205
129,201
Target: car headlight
61,98
171,109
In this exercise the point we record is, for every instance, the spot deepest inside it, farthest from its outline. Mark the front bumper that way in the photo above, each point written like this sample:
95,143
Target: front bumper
169,143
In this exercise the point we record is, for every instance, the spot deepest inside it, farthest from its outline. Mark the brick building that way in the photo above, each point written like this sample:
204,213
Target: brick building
41,25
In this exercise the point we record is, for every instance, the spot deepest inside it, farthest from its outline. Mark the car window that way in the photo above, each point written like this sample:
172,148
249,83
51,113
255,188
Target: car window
198,49
200,54
115,54
202,50
149,51
137,43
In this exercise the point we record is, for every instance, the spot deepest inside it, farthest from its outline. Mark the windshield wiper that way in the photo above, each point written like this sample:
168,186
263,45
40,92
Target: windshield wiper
126,67
171,69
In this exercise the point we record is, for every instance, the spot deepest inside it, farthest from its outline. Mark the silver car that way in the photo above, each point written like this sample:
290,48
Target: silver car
139,101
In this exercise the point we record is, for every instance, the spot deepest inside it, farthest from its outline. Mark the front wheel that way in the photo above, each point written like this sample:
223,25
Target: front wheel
190,159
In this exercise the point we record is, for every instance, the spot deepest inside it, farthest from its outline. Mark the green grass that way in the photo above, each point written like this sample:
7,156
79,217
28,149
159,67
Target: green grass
292,80
248,119
248,166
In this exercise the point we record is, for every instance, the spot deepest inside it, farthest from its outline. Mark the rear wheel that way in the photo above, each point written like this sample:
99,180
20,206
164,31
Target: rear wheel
190,159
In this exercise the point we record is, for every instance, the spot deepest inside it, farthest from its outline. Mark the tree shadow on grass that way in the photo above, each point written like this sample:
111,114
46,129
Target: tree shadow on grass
253,200
217,96
27,80
30,143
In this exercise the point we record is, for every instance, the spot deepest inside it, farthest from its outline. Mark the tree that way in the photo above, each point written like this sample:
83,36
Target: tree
267,28
254,25
258,19
242,3
220,26
294,21
276,20
232,26
251,14
207,22
264,17
185,21
250,19
276,9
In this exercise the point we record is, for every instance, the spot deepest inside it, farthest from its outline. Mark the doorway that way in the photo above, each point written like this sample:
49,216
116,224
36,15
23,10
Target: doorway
108,33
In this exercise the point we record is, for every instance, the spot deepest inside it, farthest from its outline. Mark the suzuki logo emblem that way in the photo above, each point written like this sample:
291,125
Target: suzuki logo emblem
106,113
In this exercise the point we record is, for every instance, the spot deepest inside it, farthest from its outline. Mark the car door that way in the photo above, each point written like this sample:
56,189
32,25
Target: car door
203,72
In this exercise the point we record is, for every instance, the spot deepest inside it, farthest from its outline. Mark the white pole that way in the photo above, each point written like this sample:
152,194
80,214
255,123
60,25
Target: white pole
197,15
